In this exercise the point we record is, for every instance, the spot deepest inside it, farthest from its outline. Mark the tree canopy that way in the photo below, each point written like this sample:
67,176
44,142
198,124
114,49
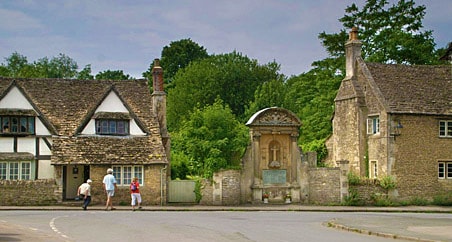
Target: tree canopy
231,77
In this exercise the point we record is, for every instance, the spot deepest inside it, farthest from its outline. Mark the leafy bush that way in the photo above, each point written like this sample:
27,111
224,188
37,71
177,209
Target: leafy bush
388,182
443,200
353,179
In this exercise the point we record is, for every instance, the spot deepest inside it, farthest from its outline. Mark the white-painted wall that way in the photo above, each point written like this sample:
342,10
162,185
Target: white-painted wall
14,99
6,144
45,170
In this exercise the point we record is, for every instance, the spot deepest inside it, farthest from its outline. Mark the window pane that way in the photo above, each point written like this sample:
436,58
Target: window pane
104,127
442,128
449,170
25,171
3,170
117,174
127,175
112,127
449,129
121,127
5,124
23,124
138,172
31,125
441,170
14,124
14,171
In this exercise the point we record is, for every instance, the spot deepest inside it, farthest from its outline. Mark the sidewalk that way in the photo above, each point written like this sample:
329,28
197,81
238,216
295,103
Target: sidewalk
413,229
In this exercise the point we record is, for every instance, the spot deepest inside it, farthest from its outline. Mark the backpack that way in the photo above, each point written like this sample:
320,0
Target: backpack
133,187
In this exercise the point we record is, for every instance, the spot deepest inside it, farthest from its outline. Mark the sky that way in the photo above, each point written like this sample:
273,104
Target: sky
128,35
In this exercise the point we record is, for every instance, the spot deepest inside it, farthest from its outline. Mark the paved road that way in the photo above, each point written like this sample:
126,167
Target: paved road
200,223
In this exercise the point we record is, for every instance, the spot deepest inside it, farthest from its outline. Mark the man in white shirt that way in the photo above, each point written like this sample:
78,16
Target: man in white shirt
84,190
109,184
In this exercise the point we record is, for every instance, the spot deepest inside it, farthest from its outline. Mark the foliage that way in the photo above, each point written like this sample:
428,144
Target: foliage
112,75
392,34
176,56
382,200
353,198
231,77
85,74
388,182
198,190
443,200
17,65
269,94
211,139
353,179
320,148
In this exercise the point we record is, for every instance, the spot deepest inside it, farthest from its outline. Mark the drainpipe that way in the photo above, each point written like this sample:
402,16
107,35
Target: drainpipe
161,185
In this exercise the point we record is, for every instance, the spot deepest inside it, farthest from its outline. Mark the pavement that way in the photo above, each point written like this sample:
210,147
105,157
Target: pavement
436,228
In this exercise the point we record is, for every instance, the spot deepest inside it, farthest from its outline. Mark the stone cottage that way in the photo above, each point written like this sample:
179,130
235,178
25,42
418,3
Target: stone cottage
57,133
395,120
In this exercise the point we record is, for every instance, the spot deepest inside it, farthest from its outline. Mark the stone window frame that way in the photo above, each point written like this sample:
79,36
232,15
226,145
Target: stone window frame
5,170
444,170
373,169
124,174
373,124
445,128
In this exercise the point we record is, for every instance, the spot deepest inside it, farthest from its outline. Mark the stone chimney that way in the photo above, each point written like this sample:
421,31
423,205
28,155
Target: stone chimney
352,51
159,104
157,77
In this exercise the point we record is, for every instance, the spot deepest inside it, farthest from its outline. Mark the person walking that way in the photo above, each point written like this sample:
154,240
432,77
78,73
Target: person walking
84,191
109,184
135,193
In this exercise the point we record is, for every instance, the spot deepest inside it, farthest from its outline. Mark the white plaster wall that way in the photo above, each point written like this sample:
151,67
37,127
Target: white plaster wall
6,144
40,129
26,145
45,170
43,148
112,104
15,99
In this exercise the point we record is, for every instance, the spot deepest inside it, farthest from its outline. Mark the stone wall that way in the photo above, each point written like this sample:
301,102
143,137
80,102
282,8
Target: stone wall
367,191
224,189
324,186
150,190
29,193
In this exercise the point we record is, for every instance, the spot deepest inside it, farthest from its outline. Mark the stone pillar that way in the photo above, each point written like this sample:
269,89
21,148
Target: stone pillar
344,169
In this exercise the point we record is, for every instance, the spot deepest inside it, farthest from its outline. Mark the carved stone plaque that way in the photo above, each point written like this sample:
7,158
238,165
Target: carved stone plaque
274,176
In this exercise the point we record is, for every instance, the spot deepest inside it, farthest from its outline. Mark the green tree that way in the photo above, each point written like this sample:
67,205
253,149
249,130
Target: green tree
16,66
112,75
269,94
209,140
232,77
85,74
391,34
61,66
176,56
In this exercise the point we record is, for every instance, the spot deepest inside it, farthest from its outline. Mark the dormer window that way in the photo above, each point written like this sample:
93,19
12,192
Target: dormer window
112,127
17,125
111,123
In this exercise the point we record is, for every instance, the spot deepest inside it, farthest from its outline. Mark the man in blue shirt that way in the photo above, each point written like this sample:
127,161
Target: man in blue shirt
109,185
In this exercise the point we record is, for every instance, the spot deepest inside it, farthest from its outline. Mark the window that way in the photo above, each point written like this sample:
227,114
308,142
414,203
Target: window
15,170
445,170
17,124
112,127
373,125
445,128
373,172
124,174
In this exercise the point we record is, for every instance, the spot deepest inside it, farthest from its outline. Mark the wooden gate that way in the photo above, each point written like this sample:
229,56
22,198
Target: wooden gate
181,191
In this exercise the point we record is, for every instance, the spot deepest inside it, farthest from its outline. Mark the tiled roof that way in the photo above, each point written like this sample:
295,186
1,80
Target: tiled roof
414,89
68,104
